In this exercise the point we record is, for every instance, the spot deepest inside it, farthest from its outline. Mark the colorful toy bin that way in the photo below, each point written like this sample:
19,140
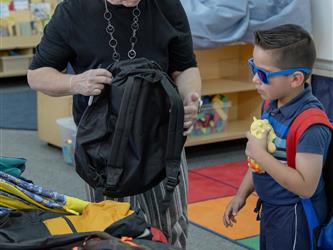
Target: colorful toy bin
213,116
68,138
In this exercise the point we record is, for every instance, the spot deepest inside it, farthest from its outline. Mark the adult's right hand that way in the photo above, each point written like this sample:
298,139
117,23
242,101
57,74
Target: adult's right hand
90,82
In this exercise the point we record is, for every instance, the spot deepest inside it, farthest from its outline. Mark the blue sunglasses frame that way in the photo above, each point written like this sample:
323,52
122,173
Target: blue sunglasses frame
265,75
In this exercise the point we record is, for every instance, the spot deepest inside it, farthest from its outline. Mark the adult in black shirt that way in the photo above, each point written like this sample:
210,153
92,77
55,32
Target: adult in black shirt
76,34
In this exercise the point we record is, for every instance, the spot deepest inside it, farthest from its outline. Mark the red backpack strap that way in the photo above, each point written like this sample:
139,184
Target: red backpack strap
266,104
301,123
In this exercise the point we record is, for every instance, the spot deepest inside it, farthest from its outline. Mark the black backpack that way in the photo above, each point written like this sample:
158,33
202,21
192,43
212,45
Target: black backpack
36,229
117,244
131,137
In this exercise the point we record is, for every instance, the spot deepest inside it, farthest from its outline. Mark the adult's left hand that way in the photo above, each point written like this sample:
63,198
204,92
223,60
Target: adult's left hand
191,105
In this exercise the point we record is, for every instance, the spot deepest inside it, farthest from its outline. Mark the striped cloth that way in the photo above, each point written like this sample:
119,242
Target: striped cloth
174,222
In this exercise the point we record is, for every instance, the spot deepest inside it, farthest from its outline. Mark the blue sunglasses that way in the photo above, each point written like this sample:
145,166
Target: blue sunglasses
265,75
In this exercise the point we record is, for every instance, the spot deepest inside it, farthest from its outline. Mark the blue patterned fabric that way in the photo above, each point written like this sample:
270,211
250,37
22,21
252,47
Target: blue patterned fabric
41,195
4,210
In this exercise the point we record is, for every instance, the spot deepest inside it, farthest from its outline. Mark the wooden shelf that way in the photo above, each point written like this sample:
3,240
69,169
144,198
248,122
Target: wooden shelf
323,72
13,73
19,42
235,129
226,85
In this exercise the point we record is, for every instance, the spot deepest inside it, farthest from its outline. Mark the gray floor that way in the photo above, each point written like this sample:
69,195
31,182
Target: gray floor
46,168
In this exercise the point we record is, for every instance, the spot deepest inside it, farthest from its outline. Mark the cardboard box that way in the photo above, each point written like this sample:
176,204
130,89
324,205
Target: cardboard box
15,63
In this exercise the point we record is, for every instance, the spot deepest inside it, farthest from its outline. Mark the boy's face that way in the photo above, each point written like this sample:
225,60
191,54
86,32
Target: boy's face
279,86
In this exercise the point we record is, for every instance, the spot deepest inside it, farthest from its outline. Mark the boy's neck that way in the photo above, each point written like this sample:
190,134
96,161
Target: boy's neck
292,94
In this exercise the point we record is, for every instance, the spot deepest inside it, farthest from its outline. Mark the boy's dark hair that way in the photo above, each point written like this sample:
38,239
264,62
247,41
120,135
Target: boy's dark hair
291,45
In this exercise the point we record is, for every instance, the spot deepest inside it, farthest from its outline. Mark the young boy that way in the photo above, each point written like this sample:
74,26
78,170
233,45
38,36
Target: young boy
288,52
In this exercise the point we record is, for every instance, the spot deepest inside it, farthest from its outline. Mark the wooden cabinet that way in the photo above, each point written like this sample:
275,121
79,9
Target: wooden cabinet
49,109
17,64
21,27
223,70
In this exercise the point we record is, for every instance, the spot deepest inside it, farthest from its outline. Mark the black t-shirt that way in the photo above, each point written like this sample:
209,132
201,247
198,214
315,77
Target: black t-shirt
76,34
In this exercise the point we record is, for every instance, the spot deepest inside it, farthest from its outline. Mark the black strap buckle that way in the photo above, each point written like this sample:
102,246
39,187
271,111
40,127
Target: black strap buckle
171,182
257,209
113,177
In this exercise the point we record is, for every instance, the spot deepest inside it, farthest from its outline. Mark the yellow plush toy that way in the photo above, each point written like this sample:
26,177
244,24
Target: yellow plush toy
257,129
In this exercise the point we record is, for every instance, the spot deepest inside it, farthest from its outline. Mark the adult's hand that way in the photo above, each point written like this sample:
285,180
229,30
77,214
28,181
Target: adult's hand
191,105
90,82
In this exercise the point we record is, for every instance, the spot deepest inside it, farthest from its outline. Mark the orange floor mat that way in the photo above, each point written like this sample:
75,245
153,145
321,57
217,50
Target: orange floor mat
209,214
210,190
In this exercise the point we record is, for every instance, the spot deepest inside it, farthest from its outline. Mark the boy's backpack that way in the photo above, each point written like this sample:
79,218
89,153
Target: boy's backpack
301,123
131,137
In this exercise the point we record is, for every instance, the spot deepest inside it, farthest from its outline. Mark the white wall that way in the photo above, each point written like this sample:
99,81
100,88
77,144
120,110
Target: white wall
322,29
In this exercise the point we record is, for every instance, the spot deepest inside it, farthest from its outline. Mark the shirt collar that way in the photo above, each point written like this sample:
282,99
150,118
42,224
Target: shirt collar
288,110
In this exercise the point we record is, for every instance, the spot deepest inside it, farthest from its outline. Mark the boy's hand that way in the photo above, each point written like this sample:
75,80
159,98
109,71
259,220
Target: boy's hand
255,147
235,205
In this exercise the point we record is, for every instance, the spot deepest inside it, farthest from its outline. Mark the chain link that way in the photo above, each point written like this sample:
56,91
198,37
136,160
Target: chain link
110,30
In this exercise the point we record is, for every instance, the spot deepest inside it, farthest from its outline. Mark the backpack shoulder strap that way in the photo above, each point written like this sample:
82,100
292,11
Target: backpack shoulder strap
301,123
264,108
266,104
114,169
175,140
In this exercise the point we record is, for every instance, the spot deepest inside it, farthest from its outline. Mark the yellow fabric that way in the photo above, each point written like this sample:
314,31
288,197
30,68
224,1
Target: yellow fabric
14,204
55,225
95,217
73,205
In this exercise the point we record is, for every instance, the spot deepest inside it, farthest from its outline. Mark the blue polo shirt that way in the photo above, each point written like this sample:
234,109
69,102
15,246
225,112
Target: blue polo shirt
316,139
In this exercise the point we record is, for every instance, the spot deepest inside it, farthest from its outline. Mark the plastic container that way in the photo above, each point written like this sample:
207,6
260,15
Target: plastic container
68,138
213,117
15,63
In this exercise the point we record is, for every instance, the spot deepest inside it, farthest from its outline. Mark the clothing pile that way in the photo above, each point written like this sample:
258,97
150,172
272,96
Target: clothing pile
32,217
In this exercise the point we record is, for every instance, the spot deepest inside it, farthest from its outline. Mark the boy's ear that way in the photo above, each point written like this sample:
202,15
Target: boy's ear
297,79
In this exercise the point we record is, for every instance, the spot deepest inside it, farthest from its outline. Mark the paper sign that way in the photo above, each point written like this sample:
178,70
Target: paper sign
40,11
21,4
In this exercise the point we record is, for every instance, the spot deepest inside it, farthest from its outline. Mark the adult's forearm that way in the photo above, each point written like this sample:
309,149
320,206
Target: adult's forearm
188,81
50,81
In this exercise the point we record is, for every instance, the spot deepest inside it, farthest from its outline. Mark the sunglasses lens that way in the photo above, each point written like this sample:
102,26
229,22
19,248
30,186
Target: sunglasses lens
262,76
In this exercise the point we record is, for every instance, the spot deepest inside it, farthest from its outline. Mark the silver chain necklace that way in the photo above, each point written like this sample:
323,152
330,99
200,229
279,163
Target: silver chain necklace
110,30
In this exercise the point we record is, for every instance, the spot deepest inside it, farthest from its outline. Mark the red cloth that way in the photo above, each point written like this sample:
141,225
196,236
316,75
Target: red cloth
158,235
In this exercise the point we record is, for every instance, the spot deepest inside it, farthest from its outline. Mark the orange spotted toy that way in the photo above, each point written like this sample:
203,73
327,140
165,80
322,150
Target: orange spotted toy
257,129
